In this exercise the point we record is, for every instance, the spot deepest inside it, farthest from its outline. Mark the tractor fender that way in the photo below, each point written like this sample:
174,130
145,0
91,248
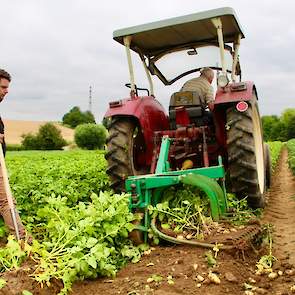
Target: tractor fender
230,95
147,111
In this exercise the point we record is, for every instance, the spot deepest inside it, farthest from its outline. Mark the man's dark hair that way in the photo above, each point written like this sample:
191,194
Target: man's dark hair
5,75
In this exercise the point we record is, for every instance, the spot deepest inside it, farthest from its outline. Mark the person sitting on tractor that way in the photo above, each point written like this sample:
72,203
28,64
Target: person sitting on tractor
202,85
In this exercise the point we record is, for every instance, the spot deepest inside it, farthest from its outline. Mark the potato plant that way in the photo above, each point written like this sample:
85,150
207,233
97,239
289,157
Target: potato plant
184,211
275,151
80,228
36,176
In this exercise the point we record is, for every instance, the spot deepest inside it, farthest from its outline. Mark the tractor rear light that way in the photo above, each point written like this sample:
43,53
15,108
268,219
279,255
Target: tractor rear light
242,106
114,104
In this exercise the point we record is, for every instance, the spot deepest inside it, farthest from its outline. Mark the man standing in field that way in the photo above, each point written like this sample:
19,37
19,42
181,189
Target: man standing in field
4,208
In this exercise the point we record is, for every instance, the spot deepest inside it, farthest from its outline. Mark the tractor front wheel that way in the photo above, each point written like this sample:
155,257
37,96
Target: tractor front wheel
125,152
246,154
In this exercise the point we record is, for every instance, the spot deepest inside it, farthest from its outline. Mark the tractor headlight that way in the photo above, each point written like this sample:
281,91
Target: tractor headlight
222,81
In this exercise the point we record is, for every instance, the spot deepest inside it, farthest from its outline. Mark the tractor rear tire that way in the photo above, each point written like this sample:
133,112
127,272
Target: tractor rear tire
124,145
246,154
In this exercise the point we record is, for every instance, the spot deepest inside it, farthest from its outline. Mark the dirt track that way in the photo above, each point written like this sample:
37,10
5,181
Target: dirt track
280,210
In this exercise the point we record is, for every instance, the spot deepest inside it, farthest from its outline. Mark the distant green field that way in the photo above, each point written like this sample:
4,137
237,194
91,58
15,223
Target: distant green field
71,174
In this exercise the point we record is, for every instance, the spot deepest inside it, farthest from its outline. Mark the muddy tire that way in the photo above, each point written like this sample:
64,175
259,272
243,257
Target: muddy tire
267,163
246,154
125,152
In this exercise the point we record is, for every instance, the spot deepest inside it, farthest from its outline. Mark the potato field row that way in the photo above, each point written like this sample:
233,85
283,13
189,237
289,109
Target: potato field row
80,228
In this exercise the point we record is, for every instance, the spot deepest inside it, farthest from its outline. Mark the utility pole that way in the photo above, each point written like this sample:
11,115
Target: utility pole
90,99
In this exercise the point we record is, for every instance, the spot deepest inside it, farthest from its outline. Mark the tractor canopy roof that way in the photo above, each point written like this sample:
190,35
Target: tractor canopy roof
196,29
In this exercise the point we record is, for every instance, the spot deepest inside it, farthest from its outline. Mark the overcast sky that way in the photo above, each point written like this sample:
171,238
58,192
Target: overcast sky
56,49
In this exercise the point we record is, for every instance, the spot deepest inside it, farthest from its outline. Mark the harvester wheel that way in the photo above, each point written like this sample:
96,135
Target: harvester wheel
267,161
246,154
125,152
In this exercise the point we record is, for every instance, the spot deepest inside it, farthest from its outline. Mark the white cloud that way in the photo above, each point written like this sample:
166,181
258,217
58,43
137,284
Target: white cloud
56,49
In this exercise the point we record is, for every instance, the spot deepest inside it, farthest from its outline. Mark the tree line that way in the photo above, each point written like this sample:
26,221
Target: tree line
279,128
88,134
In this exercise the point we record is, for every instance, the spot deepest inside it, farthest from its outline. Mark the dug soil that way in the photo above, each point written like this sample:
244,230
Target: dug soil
171,269
184,263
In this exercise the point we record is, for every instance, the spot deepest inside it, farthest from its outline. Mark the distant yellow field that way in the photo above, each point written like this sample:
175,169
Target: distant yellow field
14,129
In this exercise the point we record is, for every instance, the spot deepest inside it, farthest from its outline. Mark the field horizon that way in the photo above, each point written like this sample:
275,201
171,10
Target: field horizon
14,129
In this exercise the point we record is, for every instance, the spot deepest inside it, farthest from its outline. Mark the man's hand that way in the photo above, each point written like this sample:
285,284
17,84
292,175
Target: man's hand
1,138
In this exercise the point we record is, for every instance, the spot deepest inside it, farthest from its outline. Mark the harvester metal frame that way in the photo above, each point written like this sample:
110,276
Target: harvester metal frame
146,190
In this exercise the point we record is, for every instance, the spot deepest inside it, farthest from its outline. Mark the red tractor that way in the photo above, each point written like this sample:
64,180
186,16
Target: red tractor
171,49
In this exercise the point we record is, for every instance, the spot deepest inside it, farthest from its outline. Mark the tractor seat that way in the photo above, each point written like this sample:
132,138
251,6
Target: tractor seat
193,104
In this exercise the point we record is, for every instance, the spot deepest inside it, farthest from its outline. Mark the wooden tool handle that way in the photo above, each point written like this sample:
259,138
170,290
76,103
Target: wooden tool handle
8,193
5,179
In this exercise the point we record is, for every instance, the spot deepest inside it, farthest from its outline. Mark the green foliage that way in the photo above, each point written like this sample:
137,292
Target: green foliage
241,211
12,255
30,142
106,122
280,132
2,283
185,211
184,208
269,123
79,231
287,116
48,138
3,229
90,136
210,259
291,152
84,241
155,278
291,128
265,263
34,176
14,147
275,148
279,128
76,117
